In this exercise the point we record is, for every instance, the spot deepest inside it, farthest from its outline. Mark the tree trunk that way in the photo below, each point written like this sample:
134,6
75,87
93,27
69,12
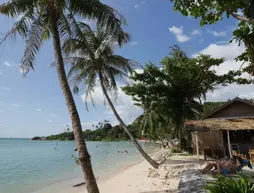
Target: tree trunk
180,134
143,153
84,157
180,137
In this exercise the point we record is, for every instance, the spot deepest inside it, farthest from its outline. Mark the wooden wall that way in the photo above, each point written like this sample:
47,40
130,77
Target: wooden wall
236,109
212,139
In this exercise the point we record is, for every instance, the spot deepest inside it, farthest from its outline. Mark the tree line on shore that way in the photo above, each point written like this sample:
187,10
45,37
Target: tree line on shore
104,131
169,92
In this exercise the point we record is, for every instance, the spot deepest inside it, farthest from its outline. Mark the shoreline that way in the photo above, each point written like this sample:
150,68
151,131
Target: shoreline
66,186
140,177
135,178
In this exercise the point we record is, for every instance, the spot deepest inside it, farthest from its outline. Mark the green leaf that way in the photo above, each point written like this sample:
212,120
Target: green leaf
237,33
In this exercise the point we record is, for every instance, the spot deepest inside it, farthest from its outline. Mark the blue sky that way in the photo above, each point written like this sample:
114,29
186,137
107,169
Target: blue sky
35,106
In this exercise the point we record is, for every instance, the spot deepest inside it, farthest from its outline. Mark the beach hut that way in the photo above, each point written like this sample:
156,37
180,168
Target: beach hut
227,130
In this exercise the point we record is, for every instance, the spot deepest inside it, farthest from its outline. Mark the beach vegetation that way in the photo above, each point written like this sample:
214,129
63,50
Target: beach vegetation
232,185
176,150
173,91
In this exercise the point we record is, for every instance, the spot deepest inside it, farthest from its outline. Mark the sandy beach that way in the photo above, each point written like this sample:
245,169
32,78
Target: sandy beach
137,178
141,178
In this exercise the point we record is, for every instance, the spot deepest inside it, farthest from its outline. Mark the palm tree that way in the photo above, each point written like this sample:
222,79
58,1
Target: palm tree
99,60
154,125
43,19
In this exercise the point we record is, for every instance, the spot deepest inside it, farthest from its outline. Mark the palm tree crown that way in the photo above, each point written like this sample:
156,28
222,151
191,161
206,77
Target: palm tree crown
96,60
37,18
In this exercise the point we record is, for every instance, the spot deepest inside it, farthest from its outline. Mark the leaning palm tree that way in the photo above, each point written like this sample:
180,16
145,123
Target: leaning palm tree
43,19
98,60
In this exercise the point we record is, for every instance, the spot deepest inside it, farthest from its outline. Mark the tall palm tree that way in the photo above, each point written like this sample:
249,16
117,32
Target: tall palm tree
43,19
152,123
99,60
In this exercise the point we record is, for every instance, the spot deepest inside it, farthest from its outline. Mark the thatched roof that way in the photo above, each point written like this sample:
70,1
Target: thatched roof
220,124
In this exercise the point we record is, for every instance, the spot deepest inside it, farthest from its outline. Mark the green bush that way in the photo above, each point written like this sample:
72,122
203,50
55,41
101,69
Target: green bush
231,185
176,150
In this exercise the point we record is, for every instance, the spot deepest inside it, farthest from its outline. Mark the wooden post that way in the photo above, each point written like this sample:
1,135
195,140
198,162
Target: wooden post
197,147
229,145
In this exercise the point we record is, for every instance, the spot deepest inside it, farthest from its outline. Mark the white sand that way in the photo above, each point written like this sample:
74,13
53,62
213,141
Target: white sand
135,178
138,178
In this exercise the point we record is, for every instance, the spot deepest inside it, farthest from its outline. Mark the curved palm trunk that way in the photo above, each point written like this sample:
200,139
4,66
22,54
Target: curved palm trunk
84,157
143,153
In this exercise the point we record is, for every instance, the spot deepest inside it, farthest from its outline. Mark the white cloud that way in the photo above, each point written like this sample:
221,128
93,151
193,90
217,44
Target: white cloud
140,4
221,42
8,64
229,52
178,32
196,32
218,34
39,110
133,43
230,92
1,73
50,121
124,106
7,88
15,105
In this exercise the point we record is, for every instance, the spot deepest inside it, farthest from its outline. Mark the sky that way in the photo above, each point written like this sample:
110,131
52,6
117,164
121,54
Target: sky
34,105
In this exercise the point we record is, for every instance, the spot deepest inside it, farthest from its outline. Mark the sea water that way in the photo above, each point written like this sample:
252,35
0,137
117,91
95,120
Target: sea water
26,165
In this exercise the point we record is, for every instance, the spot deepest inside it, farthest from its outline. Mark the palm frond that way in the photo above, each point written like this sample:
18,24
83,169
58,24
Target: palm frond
107,18
22,27
121,63
105,47
72,60
33,44
65,30
80,31
91,82
80,66
16,8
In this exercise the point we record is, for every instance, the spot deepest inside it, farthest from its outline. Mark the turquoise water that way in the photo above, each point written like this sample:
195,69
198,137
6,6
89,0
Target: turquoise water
26,166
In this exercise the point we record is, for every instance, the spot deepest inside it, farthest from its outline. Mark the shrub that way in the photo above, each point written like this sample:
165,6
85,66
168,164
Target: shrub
176,150
231,185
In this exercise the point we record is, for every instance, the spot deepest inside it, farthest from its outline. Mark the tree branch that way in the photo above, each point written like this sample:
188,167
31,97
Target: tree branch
242,18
